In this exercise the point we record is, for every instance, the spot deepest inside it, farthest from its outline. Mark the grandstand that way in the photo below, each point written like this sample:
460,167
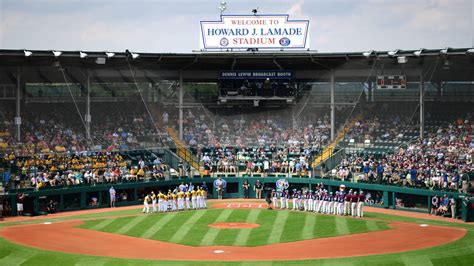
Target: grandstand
70,126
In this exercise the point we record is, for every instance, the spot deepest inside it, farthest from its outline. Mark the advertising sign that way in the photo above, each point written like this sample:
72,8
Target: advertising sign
255,31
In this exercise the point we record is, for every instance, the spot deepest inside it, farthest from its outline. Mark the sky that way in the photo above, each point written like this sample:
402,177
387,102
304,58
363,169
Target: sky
173,25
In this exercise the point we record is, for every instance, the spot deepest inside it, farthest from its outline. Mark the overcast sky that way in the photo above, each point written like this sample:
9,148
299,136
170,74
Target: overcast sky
173,25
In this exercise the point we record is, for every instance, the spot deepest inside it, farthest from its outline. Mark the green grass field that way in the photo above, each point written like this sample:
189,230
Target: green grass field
191,227
460,252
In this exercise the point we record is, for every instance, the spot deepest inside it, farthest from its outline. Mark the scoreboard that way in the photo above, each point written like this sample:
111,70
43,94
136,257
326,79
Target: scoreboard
392,82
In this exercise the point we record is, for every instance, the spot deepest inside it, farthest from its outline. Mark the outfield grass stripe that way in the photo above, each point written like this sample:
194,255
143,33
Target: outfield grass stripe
212,233
131,224
87,261
342,227
308,228
103,224
16,258
372,225
244,234
278,226
260,263
416,260
186,227
162,221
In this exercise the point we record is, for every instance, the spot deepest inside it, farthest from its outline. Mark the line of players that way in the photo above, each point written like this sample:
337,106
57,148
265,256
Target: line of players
321,201
178,200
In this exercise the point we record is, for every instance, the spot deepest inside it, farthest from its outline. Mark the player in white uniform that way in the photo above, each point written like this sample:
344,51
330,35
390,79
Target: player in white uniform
174,202
188,199
305,201
335,203
146,204
295,199
160,201
347,203
340,203
153,201
274,199
203,199
193,199
180,195
329,204
282,199
360,204
316,201
310,201
355,199
198,198
324,202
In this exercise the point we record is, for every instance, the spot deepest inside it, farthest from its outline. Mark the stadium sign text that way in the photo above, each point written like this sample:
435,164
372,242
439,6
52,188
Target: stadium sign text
256,74
254,31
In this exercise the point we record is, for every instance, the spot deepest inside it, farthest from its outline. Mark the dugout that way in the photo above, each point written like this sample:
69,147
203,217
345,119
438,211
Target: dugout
75,198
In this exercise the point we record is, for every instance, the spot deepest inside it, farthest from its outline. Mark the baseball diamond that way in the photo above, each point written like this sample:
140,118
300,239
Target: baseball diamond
323,237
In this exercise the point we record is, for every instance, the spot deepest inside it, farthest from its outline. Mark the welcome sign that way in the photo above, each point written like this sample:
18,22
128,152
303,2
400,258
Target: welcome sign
254,31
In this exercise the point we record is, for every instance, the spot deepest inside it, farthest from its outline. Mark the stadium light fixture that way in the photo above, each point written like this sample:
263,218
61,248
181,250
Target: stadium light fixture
109,54
444,51
57,53
368,54
134,55
28,53
418,53
393,53
82,55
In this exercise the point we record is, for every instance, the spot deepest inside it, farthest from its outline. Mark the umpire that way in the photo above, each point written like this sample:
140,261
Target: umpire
268,196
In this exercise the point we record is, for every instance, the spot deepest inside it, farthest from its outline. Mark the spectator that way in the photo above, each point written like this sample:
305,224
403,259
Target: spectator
51,208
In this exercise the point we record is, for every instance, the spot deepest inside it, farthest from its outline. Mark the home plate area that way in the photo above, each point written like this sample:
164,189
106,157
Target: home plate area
240,205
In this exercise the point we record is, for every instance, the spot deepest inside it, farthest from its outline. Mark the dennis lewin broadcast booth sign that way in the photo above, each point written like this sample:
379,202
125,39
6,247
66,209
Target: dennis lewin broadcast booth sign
255,31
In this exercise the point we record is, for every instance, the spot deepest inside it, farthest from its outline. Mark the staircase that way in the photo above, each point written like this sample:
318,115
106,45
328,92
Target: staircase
329,150
181,150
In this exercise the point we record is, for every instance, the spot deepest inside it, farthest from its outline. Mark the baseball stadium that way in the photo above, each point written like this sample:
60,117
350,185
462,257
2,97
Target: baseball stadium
253,150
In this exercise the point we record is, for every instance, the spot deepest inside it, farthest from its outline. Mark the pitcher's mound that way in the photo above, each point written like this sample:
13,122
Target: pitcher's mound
234,225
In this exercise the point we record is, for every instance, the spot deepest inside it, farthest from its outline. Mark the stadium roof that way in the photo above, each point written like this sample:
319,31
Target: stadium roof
41,66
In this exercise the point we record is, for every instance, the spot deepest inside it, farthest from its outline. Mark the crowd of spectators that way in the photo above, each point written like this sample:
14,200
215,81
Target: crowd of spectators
58,128
439,161
270,127
258,160
88,168
257,142
379,129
